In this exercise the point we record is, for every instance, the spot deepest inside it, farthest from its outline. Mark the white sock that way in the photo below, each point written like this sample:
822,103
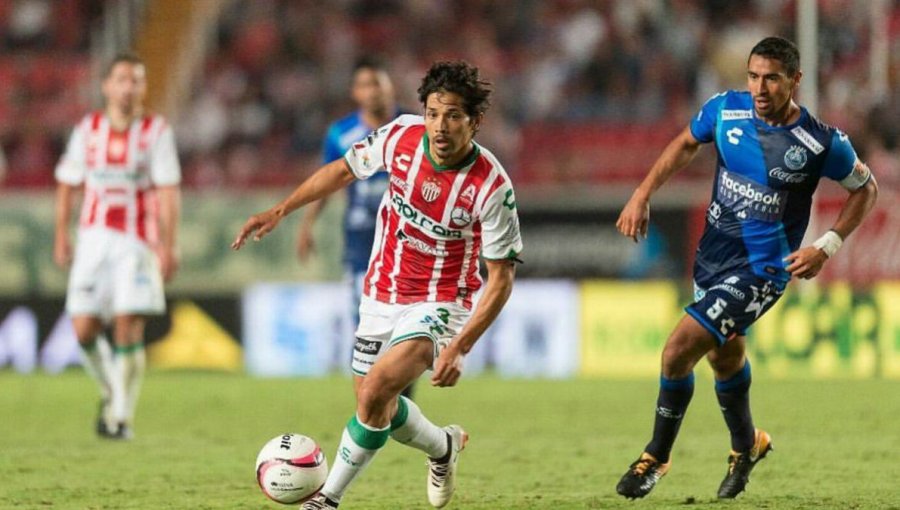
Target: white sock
136,365
359,444
97,360
412,428
128,372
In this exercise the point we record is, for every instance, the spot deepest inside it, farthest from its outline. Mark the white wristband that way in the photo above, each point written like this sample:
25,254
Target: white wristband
830,242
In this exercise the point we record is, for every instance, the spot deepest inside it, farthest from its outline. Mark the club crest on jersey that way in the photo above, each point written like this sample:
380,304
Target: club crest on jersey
116,148
795,157
460,217
431,189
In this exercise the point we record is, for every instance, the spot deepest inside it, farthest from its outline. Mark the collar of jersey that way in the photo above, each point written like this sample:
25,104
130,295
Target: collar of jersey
759,122
459,166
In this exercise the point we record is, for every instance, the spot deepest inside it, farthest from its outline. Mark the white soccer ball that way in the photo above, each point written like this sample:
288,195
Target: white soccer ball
291,468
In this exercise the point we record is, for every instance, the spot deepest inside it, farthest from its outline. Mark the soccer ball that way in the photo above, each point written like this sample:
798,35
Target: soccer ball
291,468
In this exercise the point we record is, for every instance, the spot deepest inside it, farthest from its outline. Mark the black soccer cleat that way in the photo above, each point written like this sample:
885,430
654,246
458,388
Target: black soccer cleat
740,465
122,432
642,476
102,428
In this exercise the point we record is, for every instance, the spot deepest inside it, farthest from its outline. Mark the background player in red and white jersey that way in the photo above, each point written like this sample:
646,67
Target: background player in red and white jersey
448,202
126,162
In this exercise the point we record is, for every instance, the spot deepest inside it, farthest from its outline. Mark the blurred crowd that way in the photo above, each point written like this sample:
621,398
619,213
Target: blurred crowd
610,75
44,83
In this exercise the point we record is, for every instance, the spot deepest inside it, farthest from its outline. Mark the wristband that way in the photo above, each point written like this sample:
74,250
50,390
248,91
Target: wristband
830,242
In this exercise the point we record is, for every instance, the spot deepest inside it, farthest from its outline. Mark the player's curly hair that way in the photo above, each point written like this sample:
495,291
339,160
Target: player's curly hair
461,78
781,49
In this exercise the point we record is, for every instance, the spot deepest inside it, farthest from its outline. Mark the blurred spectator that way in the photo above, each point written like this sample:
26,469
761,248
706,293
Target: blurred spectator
273,79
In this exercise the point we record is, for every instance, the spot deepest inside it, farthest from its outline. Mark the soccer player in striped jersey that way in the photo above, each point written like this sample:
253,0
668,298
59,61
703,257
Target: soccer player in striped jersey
126,163
373,93
771,155
448,202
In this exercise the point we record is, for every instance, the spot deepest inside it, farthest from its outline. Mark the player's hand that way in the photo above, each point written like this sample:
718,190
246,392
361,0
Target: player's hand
261,224
306,245
168,262
806,262
62,251
635,218
447,367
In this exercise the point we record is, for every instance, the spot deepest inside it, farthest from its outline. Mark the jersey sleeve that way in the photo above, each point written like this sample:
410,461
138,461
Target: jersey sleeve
331,150
703,125
71,168
165,170
500,232
366,157
843,165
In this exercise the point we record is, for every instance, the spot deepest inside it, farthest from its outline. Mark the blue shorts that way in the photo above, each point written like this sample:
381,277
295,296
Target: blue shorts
729,303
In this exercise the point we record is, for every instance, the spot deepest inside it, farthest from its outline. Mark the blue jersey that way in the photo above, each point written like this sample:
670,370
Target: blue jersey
363,196
765,179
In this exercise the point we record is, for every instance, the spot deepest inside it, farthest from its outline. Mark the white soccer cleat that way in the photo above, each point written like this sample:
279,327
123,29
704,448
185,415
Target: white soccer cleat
319,502
442,475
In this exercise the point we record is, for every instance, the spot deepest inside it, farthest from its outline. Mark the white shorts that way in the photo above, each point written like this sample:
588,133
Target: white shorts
382,325
114,274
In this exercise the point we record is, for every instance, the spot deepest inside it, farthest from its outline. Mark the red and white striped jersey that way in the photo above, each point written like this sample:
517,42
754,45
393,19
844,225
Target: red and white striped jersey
119,171
434,221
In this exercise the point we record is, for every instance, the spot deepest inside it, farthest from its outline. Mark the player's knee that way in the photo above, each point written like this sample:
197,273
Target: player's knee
371,396
678,359
726,364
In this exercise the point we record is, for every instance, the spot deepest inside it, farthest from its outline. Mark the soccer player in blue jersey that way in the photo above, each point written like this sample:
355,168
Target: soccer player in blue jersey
373,92
771,154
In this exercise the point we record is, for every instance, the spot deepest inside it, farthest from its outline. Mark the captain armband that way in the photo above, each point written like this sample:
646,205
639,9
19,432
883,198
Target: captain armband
858,177
830,243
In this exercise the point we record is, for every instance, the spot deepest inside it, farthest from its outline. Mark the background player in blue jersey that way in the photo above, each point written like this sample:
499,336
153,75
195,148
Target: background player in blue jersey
771,155
373,92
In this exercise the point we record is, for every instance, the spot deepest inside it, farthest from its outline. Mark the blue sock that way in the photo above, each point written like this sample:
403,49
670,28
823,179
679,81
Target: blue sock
734,399
674,397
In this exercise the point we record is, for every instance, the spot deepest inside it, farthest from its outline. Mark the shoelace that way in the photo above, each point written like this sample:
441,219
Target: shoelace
641,466
316,504
735,459
439,472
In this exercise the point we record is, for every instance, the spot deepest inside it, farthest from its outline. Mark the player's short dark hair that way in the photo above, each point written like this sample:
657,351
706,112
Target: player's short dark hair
369,62
460,78
129,58
781,49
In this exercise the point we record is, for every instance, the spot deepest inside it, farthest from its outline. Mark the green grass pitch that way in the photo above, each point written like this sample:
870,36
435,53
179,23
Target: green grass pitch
534,444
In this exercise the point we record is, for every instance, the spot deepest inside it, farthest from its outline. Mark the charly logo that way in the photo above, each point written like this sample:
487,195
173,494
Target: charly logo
795,157
431,190
460,217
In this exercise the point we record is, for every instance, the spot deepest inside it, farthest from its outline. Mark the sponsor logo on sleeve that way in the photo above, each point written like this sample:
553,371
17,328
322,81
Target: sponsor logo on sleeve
808,140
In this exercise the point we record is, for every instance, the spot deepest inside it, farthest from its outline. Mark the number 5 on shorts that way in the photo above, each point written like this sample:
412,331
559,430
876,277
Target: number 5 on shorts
714,311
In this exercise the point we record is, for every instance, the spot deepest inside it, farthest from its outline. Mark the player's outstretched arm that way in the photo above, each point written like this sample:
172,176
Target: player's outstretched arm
62,246
169,214
635,216
323,182
448,366
808,261
306,244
